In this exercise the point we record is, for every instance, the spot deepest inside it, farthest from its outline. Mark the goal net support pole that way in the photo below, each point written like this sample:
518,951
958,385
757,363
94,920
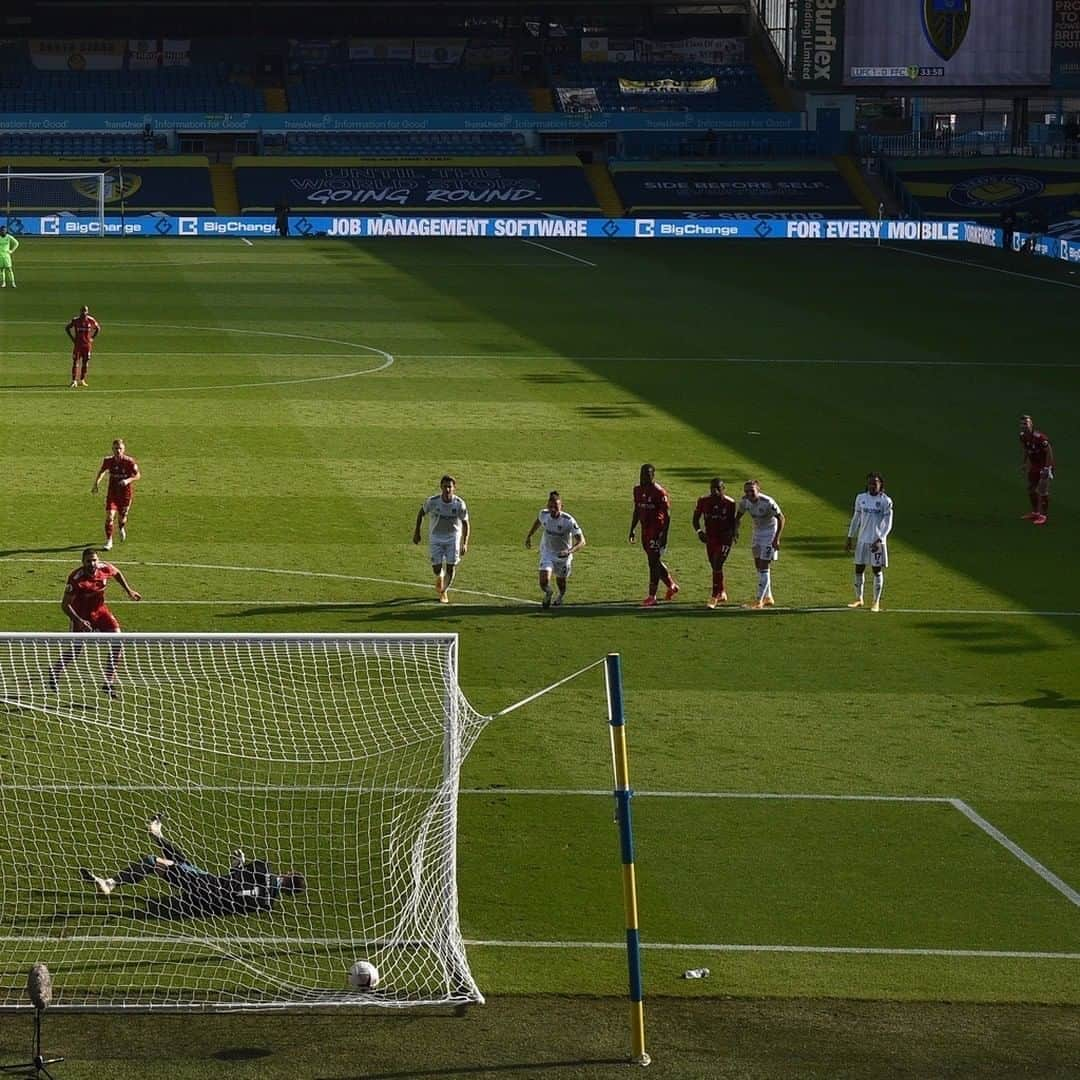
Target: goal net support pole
624,819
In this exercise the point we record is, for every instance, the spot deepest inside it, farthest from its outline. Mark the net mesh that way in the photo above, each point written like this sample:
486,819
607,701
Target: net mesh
334,757
77,197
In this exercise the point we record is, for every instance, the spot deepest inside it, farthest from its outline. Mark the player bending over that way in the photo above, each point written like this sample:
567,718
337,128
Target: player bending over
82,329
562,538
871,523
768,526
448,537
123,471
248,887
84,604
652,510
714,523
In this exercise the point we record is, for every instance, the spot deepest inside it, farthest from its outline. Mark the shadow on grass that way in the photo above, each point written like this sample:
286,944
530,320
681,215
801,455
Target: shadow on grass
47,550
989,638
502,1069
1050,699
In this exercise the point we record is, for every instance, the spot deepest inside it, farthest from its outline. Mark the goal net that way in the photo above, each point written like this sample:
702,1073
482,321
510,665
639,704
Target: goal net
332,757
77,196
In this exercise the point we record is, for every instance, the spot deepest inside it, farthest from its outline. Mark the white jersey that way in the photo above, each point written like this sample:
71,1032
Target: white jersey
558,533
763,513
445,518
872,518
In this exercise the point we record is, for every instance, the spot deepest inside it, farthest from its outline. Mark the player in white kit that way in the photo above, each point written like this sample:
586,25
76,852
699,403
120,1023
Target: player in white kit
562,537
448,534
767,521
870,526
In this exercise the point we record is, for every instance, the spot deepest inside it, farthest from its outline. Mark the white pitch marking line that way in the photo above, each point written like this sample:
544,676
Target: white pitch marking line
974,365
561,793
600,605
1013,848
982,266
299,573
247,241
556,251
849,950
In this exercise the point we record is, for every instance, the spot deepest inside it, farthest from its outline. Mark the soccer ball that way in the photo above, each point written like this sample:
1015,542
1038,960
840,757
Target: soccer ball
363,975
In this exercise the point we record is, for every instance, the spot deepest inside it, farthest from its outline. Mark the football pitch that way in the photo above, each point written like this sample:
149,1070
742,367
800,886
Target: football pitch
841,814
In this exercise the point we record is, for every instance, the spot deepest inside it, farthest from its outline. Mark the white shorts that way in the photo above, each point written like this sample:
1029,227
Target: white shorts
445,550
561,568
761,546
865,555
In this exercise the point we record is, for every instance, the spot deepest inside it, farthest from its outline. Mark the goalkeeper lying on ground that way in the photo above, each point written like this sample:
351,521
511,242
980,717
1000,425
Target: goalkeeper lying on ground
248,886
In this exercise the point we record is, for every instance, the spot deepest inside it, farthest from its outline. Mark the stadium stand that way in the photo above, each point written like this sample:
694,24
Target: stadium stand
807,188
403,87
195,89
1048,189
403,144
665,145
85,144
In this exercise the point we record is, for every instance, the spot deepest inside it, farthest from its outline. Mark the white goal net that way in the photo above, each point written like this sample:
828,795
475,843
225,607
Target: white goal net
273,762
74,195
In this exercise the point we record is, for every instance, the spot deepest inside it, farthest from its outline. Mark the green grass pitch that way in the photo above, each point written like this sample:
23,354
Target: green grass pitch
864,825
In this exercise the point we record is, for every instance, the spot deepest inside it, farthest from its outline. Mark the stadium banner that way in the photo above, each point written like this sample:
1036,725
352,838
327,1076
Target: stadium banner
315,52
668,86
143,54
484,52
970,189
602,50
701,50
1065,47
176,52
576,99
947,42
77,54
439,51
169,183
549,227
806,186
350,184
411,122
818,44
362,48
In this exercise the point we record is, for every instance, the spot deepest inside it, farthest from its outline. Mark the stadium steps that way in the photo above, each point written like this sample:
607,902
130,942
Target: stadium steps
770,74
541,99
604,189
275,100
845,165
223,185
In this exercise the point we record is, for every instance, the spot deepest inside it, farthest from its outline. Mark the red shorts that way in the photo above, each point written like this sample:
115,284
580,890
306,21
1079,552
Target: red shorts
81,352
101,620
717,549
119,502
652,543
1034,475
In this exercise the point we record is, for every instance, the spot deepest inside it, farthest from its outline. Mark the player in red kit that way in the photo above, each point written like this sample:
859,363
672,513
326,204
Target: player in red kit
714,522
82,330
1039,464
652,511
123,471
84,604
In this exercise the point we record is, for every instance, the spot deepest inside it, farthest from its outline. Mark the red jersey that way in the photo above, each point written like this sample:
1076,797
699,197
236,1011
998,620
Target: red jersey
653,507
85,327
120,467
1036,448
718,512
87,588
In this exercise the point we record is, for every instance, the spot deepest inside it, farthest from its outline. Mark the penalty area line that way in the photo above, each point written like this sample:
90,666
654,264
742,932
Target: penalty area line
564,254
982,266
245,240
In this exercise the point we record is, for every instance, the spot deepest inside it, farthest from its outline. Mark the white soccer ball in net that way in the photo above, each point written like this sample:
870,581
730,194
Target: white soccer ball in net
363,975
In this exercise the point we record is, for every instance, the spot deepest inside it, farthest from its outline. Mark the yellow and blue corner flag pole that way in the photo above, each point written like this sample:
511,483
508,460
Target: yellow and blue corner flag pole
623,818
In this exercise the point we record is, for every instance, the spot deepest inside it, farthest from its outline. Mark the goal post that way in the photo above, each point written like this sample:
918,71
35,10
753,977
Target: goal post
79,195
266,758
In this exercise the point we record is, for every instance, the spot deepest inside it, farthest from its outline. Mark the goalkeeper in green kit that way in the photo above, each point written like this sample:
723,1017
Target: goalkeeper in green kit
8,246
